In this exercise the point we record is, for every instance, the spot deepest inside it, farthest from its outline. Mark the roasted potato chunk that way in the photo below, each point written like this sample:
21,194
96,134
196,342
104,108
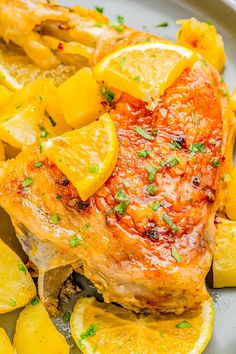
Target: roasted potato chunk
16,285
224,262
203,38
5,344
230,206
36,333
79,99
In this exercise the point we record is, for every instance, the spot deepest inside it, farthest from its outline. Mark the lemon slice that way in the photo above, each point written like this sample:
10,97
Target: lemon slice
101,328
5,344
86,156
144,70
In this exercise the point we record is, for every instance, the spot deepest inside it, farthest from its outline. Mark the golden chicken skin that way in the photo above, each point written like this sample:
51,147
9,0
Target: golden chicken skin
146,238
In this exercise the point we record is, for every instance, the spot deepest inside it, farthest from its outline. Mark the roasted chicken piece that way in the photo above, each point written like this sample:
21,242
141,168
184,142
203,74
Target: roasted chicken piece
146,238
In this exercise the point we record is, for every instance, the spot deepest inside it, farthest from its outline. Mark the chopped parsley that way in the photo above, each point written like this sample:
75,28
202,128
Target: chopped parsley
224,93
163,24
44,133
222,79
99,9
209,22
204,62
91,331
121,207
122,62
38,164
151,189
109,95
120,19
183,324
59,196
86,226
12,303
155,206
152,171
118,27
137,79
40,147
55,218
176,254
170,222
35,301
74,241
94,168
120,195
215,162
198,147
143,153
66,316
171,161
174,145
22,268
52,121
27,182
143,133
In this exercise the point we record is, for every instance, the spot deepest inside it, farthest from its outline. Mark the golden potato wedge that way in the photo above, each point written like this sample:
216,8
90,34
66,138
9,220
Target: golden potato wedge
230,205
16,285
36,334
224,262
203,38
5,344
30,113
79,98
2,151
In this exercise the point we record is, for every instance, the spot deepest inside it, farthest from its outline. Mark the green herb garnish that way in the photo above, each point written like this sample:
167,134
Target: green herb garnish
66,316
151,189
163,24
35,301
75,241
143,153
22,268
152,172
183,324
27,182
155,206
91,331
55,218
38,164
12,303
99,9
198,147
143,133
109,95
120,19
52,121
121,207
174,145
170,222
176,254
122,62
171,161
137,79
94,168
215,162
120,195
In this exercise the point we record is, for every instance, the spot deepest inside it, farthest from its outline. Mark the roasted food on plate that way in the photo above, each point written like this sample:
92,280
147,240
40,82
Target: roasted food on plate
118,148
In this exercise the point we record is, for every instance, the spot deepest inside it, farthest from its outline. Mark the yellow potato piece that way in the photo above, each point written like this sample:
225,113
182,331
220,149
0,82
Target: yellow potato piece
203,38
5,344
79,98
5,94
20,129
133,69
230,205
36,334
16,285
224,262
105,328
2,151
31,113
87,156
233,100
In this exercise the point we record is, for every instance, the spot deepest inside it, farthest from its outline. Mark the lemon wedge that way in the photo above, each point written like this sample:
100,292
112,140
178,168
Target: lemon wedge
144,70
86,156
5,344
106,328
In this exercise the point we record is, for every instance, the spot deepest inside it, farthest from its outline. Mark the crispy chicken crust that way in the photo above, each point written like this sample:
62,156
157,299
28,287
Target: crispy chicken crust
143,259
